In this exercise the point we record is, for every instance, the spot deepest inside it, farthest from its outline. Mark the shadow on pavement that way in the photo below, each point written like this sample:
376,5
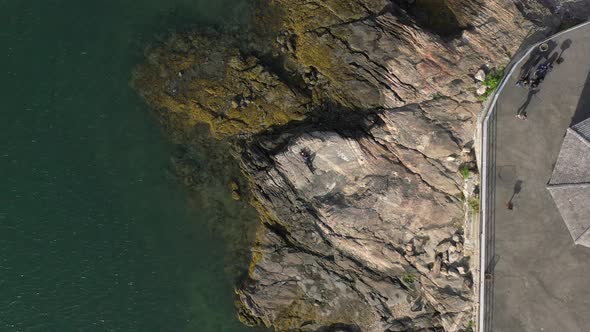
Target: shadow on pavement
549,56
583,108
564,46
492,264
515,191
535,58
522,109
551,59
529,72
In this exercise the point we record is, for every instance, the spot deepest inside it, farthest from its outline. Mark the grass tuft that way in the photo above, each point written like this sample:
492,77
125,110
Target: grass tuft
408,278
492,81
465,172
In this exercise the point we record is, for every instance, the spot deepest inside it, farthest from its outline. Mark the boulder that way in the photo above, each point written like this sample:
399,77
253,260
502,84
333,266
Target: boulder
480,76
481,90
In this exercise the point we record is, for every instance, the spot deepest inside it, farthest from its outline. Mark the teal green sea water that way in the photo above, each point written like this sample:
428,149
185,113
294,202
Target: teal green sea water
95,234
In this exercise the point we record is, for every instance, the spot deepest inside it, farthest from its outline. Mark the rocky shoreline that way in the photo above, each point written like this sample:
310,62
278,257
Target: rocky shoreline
351,121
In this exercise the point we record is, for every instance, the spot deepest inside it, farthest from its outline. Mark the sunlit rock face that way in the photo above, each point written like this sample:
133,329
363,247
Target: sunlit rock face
351,228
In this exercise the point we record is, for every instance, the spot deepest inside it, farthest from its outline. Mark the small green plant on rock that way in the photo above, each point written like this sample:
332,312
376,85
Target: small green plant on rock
408,278
492,81
465,172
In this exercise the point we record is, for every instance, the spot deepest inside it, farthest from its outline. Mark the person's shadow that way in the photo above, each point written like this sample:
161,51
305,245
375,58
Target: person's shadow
552,59
515,191
522,109
517,188
536,56
564,46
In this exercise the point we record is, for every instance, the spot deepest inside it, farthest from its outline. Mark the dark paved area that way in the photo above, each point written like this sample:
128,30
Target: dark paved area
541,279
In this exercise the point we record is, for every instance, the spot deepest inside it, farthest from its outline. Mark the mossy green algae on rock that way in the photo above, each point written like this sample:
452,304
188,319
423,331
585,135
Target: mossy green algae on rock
209,80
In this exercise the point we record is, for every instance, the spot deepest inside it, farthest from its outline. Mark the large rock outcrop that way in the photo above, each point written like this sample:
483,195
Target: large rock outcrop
353,235
350,118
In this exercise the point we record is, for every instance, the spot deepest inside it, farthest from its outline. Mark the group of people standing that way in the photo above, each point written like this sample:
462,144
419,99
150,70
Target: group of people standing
531,77
536,78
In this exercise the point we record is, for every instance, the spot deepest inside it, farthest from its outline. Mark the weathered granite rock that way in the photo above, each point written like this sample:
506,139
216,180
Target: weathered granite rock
351,119
386,53
333,249
480,75
481,90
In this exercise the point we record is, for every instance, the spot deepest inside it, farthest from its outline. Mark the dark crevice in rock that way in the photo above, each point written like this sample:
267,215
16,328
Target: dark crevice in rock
321,30
349,123
384,82
278,65
339,327
437,16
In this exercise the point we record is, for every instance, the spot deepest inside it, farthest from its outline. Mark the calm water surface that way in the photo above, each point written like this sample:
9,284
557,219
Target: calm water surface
94,235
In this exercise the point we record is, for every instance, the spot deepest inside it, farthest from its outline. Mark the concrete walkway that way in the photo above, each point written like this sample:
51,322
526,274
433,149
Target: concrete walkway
541,280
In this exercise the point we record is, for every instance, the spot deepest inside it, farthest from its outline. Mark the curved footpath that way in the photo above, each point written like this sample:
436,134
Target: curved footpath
533,277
